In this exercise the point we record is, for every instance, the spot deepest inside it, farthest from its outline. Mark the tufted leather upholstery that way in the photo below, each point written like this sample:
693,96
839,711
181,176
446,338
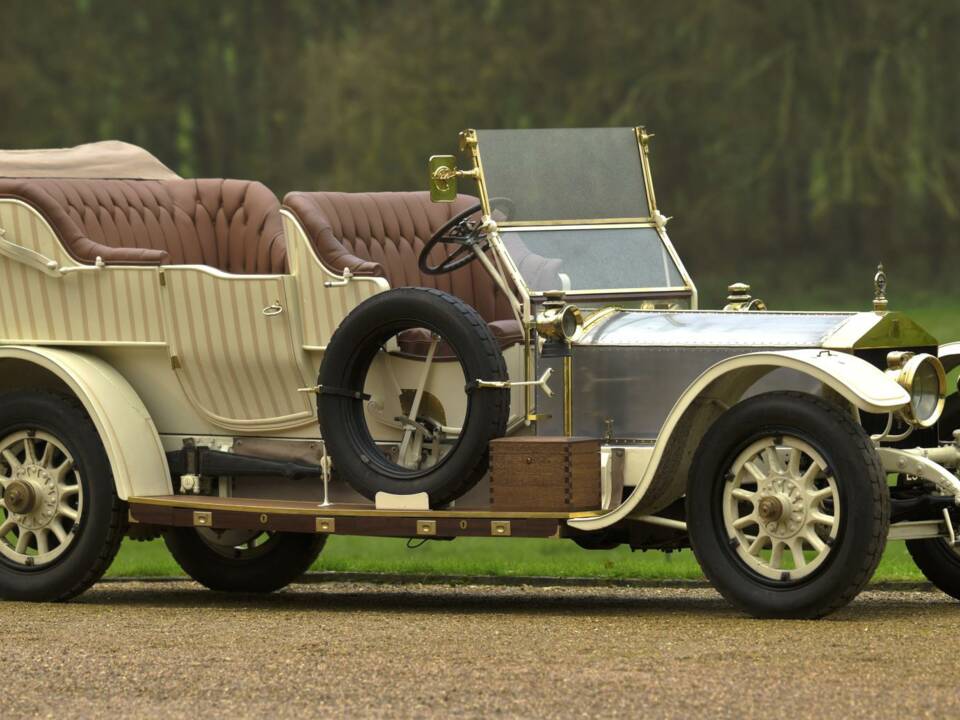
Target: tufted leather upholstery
383,233
232,225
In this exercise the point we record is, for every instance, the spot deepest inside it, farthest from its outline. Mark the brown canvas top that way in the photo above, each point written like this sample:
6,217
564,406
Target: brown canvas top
106,159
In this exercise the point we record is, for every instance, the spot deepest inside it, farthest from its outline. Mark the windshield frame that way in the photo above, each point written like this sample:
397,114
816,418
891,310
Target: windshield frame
655,220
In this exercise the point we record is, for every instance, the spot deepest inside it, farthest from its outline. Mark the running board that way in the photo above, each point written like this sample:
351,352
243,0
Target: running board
344,519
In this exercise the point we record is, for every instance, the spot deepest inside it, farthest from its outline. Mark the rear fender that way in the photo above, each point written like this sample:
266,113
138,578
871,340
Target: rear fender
722,385
128,434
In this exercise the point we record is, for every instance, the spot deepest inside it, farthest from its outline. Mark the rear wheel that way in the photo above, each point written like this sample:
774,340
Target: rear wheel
61,522
787,506
243,560
939,562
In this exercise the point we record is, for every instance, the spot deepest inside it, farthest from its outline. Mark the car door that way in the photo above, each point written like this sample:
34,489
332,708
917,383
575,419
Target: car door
235,348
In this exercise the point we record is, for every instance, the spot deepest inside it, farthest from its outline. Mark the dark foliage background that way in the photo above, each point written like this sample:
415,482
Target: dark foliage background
797,142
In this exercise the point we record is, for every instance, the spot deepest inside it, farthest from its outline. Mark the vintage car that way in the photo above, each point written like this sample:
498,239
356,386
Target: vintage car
192,359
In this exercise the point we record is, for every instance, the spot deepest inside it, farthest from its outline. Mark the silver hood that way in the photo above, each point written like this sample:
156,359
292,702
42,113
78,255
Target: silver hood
630,366
766,329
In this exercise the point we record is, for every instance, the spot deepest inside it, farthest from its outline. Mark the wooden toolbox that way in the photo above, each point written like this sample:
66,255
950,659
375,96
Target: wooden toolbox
545,474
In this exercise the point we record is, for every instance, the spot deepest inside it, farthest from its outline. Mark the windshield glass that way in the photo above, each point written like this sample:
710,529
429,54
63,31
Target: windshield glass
592,258
564,175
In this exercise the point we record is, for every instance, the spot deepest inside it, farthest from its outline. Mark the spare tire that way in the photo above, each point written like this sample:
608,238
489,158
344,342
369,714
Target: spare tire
364,334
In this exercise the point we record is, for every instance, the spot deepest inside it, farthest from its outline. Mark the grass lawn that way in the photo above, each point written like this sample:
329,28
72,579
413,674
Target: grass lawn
497,556
487,556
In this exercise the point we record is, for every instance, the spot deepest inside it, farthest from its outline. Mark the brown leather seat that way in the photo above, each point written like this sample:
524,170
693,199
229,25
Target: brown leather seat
232,225
382,234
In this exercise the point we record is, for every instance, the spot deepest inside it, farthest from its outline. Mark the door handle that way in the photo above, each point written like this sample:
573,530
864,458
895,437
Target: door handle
274,309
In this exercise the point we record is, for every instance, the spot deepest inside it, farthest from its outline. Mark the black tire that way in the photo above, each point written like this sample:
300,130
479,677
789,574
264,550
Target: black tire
345,364
99,529
950,418
858,546
283,559
938,562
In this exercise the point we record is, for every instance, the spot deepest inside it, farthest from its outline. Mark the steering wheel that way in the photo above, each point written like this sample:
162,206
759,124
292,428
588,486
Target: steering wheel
461,231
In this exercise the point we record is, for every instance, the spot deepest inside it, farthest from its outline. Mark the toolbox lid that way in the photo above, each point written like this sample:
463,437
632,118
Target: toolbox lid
106,159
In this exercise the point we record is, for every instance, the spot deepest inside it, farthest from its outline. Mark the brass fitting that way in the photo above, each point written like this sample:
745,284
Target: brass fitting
738,298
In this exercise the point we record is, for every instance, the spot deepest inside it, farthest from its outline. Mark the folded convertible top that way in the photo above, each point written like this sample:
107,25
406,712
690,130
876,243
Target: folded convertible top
106,159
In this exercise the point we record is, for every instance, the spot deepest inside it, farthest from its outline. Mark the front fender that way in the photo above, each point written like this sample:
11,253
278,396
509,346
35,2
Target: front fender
949,354
723,384
128,434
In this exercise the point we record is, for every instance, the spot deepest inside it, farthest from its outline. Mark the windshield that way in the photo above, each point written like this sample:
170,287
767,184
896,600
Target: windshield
574,207
564,175
592,258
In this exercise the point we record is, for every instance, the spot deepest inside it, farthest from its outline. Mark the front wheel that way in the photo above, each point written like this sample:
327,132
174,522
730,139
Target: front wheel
787,506
247,561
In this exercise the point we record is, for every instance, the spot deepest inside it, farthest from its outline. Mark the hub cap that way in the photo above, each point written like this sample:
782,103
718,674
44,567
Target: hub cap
42,498
781,508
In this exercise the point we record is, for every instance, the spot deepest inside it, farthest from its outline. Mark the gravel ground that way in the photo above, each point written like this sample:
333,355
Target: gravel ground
171,650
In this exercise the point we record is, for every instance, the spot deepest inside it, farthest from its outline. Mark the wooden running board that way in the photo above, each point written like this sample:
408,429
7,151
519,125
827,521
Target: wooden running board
343,519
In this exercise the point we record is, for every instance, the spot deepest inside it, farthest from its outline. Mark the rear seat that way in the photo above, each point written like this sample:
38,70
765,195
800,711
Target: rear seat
231,225
382,234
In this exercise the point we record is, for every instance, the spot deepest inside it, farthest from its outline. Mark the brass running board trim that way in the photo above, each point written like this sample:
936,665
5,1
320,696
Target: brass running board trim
326,525
199,503
426,527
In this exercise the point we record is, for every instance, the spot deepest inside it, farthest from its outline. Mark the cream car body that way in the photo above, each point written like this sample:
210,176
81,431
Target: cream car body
166,357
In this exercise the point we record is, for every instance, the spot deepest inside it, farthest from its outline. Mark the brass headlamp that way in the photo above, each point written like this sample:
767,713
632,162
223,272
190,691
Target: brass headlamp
558,320
923,377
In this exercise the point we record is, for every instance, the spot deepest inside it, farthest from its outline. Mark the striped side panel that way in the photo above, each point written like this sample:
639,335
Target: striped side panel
322,308
113,305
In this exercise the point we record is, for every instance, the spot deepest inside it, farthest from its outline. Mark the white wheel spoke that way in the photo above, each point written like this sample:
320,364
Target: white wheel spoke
4,481
818,496
68,511
815,542
745,495
793,462
746,521
810,475
796,549
819,518
776,555
56,527
757,545
42,546
47,458
23,541
69,490
30,451
11,459
755,472
63,468
772,457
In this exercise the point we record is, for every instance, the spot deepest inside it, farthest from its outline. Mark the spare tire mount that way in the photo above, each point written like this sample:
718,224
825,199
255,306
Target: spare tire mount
361,337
